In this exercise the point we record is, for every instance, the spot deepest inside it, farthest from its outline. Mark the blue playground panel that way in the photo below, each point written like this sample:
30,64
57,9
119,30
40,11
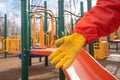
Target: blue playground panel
30,55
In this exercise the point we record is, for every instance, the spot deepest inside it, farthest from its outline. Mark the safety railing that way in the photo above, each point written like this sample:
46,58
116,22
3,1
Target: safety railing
13,44
49,39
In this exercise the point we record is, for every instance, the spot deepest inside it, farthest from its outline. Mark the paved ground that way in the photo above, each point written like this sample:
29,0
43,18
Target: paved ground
10,68
112,63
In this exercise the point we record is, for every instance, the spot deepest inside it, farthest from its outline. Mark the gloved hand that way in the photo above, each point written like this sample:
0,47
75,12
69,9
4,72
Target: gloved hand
69,48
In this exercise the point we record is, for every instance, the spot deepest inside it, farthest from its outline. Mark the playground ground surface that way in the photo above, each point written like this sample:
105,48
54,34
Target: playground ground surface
10,68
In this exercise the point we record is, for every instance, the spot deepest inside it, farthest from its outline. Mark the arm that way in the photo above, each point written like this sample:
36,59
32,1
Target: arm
101,20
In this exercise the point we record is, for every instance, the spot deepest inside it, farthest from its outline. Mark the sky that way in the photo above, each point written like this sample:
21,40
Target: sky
53,4
10,6
13,7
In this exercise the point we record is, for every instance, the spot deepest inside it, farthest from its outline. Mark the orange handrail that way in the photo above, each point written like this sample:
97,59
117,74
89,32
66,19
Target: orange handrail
48,43
34,29
42,45
53,24
42,33
53,32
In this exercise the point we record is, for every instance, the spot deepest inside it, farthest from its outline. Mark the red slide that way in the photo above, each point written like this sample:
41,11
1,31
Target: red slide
87,68
83,68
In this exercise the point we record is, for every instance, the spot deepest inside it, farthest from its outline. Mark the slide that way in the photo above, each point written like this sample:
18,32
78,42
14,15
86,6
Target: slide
84,67
87,68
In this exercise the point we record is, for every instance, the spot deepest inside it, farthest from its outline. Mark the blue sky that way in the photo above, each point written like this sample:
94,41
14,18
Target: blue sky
12,7
9,6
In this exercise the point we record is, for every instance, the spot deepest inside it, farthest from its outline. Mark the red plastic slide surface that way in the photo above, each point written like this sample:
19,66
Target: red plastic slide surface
87,68
83,68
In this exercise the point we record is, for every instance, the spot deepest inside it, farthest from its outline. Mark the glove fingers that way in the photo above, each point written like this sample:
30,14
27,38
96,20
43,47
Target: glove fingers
61,62
56,53
58,58
59,41
68,63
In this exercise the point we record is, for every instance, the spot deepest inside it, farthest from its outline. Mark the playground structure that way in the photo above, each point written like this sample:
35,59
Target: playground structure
41,43
101,50
42,34
84,67
103,45
9,44
1,44
13,45
44,38
45,51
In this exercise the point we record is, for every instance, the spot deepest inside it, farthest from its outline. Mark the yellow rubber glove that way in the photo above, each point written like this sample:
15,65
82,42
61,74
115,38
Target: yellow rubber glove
69,48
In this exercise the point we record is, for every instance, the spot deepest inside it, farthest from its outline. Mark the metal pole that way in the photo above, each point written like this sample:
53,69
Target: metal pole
72,24
89,4
29,32
61,29
45,21
56,19
108,38
91,45
61,75
61,18
5,36
24,39
45,29
81,8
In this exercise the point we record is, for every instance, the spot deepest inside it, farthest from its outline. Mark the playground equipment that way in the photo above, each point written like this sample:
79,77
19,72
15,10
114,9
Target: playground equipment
45,39
34,31
112,37
101,50
5,35
118,34
89,66
115,40
1,44
43,52
84,67
42,33
13,45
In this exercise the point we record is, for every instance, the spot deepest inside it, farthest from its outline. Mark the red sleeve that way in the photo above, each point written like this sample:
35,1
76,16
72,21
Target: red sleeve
101,20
